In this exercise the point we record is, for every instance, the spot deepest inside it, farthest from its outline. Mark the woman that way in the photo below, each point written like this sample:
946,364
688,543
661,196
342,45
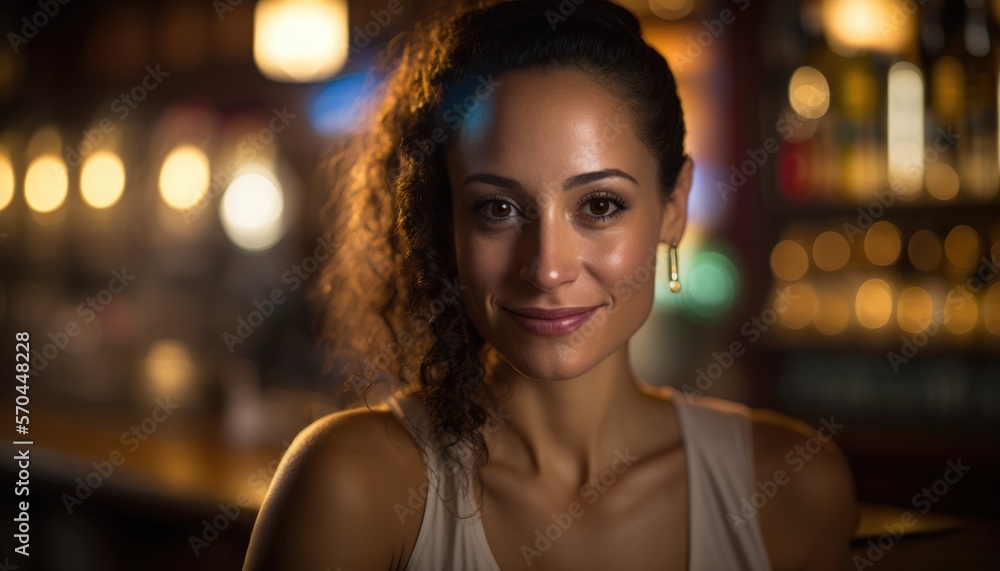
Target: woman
527,163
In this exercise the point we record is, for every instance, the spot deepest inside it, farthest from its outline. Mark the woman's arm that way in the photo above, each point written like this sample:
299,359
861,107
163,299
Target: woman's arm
809,520
330,504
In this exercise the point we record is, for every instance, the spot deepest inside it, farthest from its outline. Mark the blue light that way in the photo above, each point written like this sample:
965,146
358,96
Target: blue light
337,107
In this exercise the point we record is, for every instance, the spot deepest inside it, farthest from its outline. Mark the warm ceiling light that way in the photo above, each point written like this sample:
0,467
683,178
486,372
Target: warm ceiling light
300,40
46,183
102,179
184,177
851,25
7,180
809,92
252,209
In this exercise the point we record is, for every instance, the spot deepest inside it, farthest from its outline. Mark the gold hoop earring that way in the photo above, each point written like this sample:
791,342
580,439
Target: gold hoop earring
675,282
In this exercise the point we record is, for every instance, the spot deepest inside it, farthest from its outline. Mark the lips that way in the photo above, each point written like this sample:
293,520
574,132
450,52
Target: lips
557,321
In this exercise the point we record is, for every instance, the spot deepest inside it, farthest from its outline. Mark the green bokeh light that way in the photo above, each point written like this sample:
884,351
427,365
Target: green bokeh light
710,283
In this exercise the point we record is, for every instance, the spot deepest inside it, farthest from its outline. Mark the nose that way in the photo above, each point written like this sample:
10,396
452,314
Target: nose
551,256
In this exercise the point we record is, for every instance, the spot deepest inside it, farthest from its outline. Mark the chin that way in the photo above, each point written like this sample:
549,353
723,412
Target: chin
547,371
557,361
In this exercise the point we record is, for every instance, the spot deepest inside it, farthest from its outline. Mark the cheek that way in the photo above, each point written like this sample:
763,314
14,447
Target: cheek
481,264
631,261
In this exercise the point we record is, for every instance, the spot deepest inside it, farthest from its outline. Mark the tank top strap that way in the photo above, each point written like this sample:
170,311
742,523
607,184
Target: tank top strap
718,445
449,537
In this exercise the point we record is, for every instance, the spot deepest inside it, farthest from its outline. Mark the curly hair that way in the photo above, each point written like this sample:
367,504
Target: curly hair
391,283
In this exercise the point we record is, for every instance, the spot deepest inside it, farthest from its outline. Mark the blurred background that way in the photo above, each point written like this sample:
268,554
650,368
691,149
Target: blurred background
161,175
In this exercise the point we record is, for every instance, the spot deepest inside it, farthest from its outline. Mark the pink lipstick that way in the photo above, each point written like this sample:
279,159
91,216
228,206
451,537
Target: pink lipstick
540,321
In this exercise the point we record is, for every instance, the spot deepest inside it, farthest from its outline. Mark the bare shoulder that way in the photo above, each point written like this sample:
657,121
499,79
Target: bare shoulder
807,505
331,503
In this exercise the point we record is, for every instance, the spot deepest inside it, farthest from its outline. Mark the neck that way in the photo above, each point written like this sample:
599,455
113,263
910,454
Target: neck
568,430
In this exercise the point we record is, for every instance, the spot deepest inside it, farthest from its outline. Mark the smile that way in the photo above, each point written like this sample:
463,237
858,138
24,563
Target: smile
551,321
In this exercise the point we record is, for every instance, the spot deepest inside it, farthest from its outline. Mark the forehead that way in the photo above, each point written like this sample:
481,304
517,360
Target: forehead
540,127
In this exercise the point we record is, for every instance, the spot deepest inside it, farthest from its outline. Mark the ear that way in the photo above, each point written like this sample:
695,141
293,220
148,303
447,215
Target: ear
675,207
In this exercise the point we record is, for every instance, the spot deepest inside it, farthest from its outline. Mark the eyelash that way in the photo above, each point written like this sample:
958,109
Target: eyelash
621,205
477,207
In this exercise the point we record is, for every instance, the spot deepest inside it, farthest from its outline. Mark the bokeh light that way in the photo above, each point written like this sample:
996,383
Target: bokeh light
834,313
883,243
252,209
671,9
300,40
942,181
337,108
184,177
7,179
809,93
102,179
831,251
914,310
710,285
789,260
851,25
802,310
46,183
960,311
962,246
873,303
169,368
991,309
905,128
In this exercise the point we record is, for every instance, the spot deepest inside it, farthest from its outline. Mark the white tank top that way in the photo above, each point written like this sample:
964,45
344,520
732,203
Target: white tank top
720,469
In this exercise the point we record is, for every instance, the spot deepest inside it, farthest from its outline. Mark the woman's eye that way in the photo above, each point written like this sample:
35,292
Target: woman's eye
496,210
500,209
599,207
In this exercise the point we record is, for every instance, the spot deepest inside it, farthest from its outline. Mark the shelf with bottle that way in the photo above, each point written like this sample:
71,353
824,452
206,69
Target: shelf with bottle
912,112
848,287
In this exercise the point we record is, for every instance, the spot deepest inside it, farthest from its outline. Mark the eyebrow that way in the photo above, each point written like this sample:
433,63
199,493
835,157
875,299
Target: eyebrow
571,182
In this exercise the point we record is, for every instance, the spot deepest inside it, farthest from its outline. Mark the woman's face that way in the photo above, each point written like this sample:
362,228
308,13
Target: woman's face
556,204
